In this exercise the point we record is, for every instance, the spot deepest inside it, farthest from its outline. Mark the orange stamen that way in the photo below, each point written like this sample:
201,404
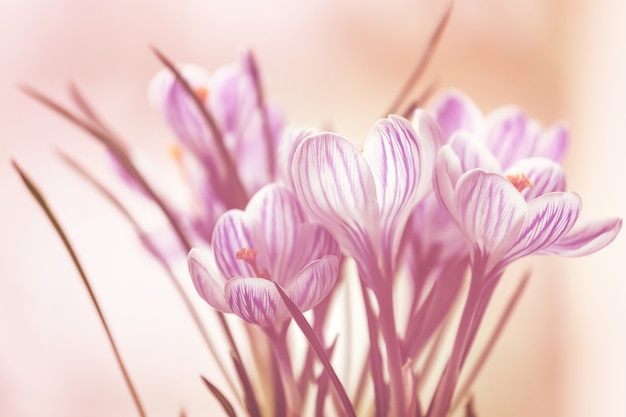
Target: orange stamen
519,181
249,257
176,153
202,93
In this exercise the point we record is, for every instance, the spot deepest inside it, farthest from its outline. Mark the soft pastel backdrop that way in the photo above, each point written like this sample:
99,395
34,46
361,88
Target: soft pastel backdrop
333,63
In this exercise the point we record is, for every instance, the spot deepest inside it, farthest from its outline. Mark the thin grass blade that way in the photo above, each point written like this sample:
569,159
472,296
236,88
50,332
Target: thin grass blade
33,189
120,154
422,62
250,399
219,396
260,97
158,256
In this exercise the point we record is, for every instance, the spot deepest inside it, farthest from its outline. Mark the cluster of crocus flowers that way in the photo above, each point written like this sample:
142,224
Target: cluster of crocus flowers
425,215
476,192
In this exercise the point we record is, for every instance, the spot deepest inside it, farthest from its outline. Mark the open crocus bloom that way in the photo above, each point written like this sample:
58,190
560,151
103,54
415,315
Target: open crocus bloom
505,216
366,196
269,241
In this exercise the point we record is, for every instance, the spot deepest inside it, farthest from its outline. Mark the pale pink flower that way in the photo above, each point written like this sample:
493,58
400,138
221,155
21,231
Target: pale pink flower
365,196
271,241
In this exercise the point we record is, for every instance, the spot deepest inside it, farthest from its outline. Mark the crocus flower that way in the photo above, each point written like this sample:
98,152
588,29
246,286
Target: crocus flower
270,241
505,216
244,123
364,196
507,132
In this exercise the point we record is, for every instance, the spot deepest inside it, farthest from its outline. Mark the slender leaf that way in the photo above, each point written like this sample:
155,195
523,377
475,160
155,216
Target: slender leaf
238,190
319,350
119,153
422,62
33,189
226,405
267,132
491,342
322,384
420,100
158,256
250,399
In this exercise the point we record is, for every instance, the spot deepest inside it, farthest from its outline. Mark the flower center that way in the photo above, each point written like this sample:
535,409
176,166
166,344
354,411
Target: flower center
249,257
519,181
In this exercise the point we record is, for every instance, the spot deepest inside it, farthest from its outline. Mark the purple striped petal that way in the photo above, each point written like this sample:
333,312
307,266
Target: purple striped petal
429,141
472,153
553,143
233,98
447,172
314,282
585,238
253,299
549,217
314,242
336,189
394,157
546,176
491,212
455,111
208,281
289,142
510,135
229,236
277,216
180,111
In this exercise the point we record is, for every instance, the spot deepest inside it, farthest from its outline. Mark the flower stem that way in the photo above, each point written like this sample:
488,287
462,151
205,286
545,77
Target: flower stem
278,340
471,316
394,363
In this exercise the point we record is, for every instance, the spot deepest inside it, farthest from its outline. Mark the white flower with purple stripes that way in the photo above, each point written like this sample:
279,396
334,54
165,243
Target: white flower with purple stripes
271,241
365,196
506,215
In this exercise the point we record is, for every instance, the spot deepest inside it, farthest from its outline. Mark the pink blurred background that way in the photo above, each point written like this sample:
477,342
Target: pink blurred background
326,62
